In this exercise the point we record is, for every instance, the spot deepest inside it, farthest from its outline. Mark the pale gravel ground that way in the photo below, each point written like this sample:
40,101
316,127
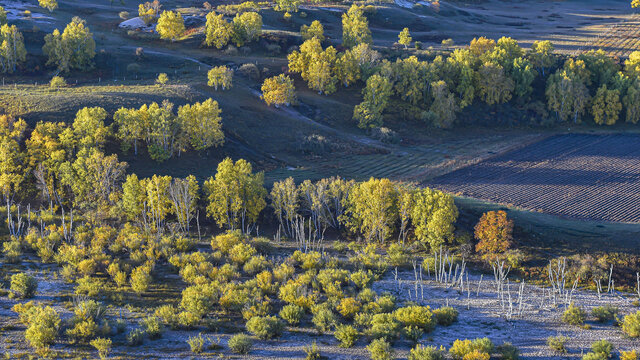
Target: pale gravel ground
480,316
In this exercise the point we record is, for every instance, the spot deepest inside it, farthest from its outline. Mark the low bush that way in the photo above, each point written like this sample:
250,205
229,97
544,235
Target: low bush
23,286
265,327
349,307
323,319
413,333
347,335
426,353
419,316
602,347
241,253
605,313
557,343
629,355
292,314
631,325
196,343
43,324
103,346
574,315
240,344
379,349
312,352
508,351
446,315
473,348
384,326
152,327
135,337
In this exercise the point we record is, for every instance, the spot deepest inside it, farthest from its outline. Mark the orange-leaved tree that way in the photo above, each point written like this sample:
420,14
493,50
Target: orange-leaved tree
494,233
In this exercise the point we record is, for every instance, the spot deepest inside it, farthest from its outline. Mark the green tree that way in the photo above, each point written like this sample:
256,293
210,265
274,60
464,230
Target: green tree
48,4
523,74
218,30
288,6
314,30
541,55
320,74
278,90
220,76
12,50
461,71
567,95
89,128
504,53
285,203
433,217
443,106
355,27
376,96
202,124
602,68
236,195
404,38
494,87
247,27
130,128
3,16
170,25
300,61
133,198
73,49
606,106
149,11
372,209
12,167
631,102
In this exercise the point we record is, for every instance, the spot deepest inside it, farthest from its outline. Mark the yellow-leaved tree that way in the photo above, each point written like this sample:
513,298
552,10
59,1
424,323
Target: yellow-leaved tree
170,25
278,90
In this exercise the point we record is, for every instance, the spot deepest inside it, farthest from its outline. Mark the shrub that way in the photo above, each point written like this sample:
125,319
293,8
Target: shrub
476,355
419,316
474,349
225,242
349,307
135,337
88,321
362,279
605,313
292,314
152,326
240,344
23,286
240,253
162,79
309,260
255,265
89,286
323,319
124,15
43,326
347,335
57,82
508,351
631,325
312,352
629,355
103,346
140,278
557,343
413,333
396,255
168,314
379,349
386,302
574,315
426,353
603,347
248,70
446,315
265,327
196,343
384,326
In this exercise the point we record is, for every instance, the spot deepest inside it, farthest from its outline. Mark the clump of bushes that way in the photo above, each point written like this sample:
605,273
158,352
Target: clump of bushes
384,326
574,315
196,343
446,315
472,349
240,344
347,335
557,343
323,319
380,349
103,346
23,286
426,353
600,350
265,327
629,355
292,314
605,313
43,324
631,325
419,316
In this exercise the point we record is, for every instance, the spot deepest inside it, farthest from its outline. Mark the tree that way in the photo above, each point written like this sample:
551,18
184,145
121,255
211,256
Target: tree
635,3
480,46
494,233
314,30
567,95
443,106
170,25
404,38
372,209
220,76
288,6
11,158
433,217
284,200
494,87
346,69
376,96
632,64
73,49
461,71
149,11
523,74
321,72
162,79
89,128
202,124
236,195
631,102
3,16
300,61
158,204
355,27
247,27
184,197
218,30
130,128
541,55
602,68
278,90
606,106
48,4
134,198
12,50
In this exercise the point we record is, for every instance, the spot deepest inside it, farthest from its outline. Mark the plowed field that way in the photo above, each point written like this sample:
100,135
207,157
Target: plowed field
588,177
